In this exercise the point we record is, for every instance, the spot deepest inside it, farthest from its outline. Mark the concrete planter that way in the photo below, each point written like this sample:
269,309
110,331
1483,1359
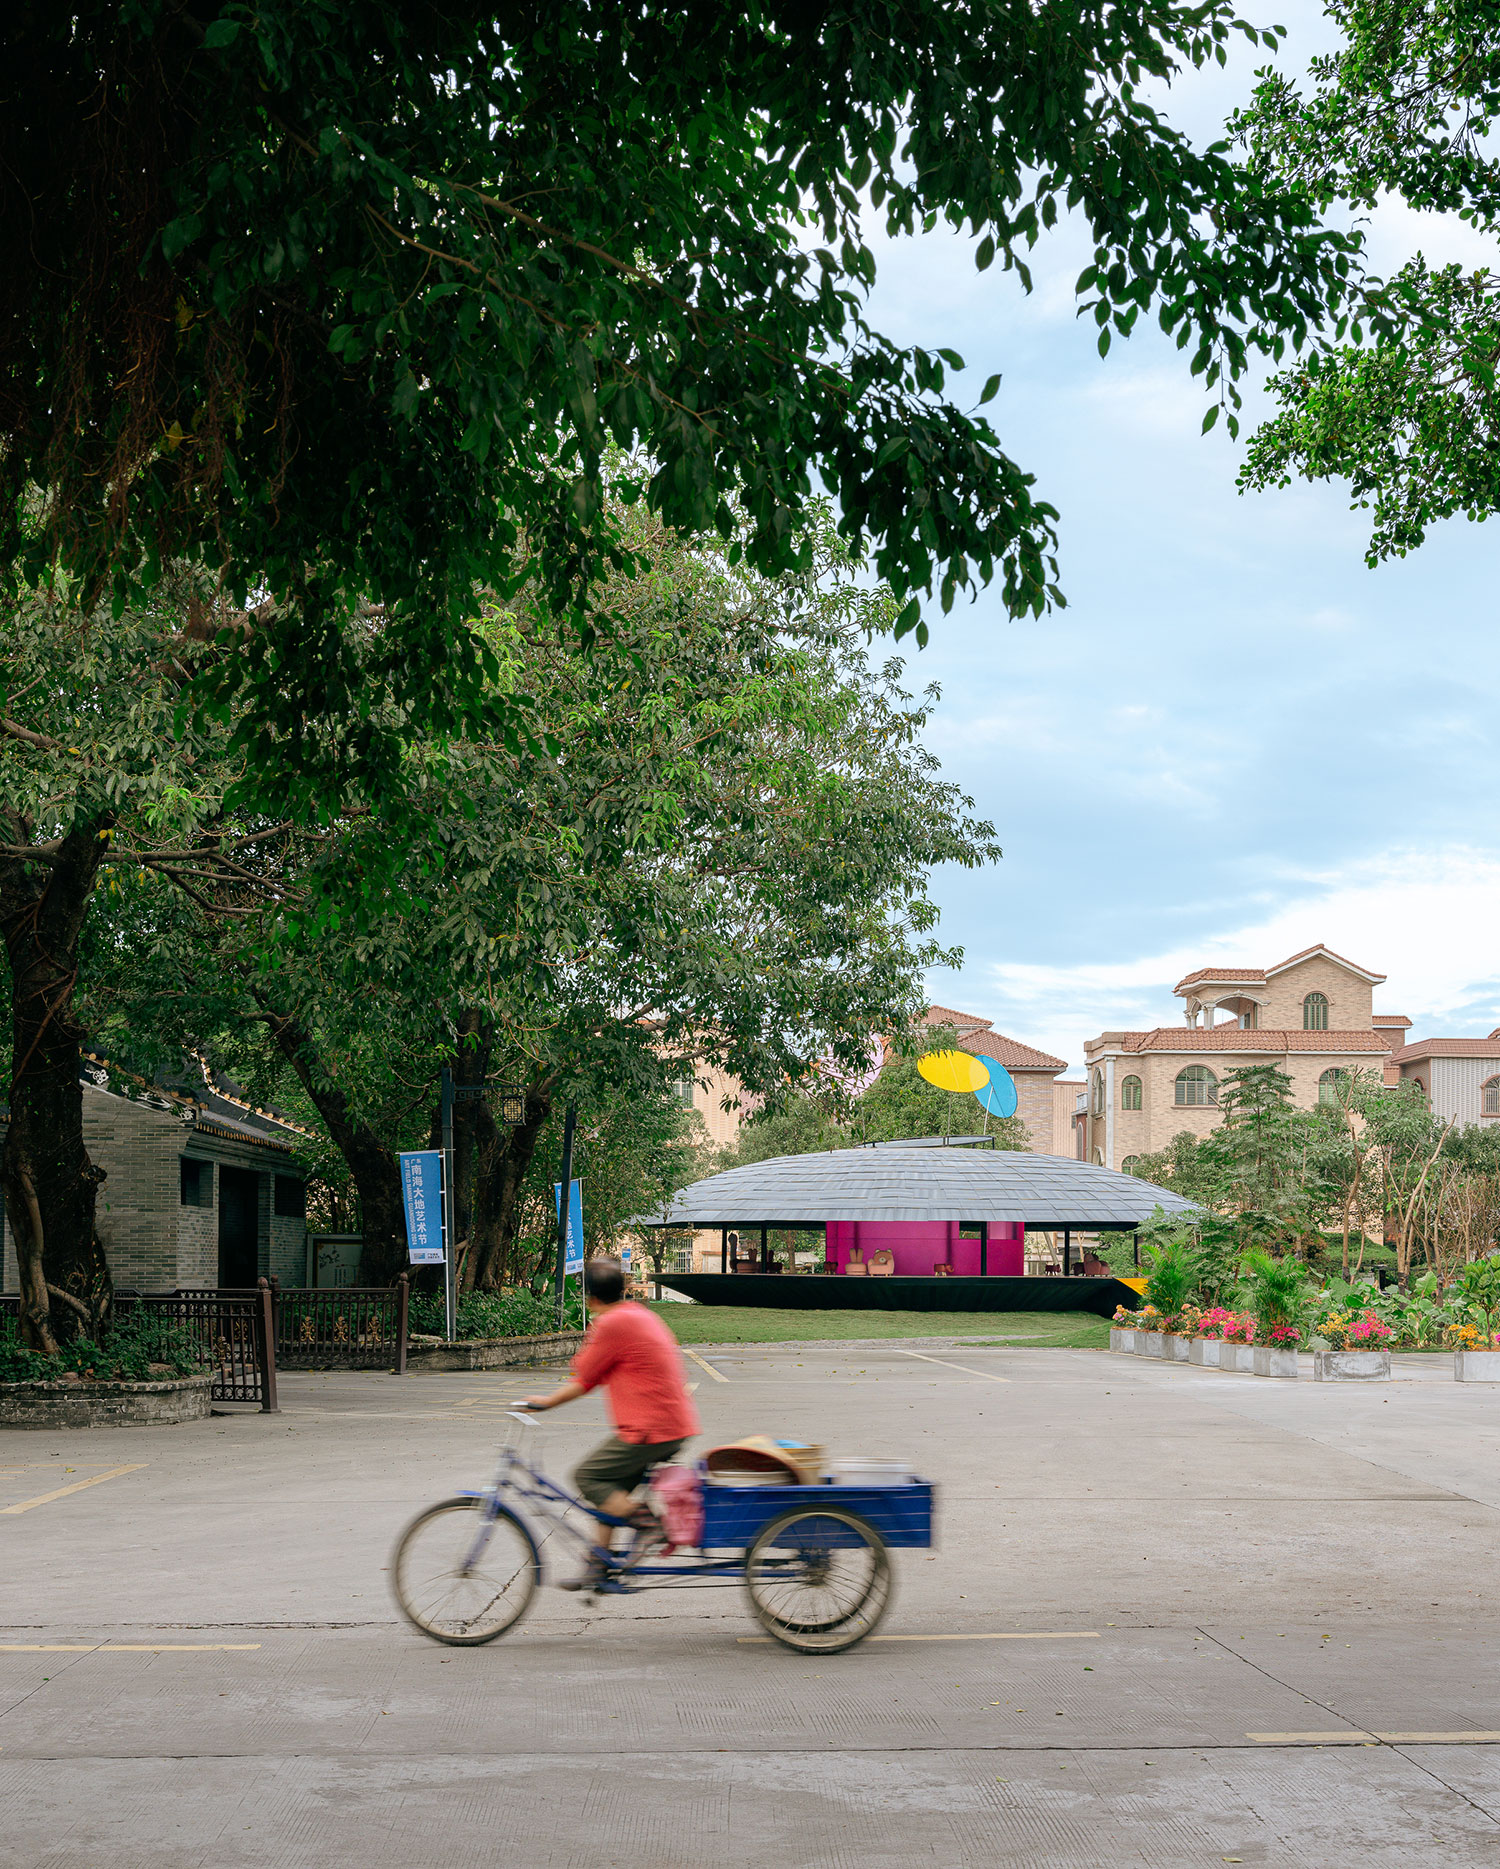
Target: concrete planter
1149,1343
104,1404
1122,1340
1176,1348
1352,1366
1207,1353
1476,1365
493,1352
1266,1361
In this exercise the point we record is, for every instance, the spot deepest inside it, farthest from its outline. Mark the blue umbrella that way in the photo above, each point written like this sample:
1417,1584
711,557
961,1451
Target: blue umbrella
998,1096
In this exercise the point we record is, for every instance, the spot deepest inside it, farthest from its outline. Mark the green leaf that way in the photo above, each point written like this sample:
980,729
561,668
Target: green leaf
991,389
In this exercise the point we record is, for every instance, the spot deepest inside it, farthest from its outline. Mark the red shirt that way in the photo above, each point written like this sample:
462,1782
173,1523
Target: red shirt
631,1351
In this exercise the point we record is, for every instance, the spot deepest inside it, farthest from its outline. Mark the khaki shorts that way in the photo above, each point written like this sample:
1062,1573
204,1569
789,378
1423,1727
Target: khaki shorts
617,1466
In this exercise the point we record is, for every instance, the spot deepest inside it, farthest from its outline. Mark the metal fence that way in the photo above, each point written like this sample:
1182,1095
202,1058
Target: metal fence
242,1336
345,1327
231,1330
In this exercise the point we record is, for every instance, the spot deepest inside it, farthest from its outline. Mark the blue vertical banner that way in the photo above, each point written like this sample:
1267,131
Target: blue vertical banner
422,1197
573,1262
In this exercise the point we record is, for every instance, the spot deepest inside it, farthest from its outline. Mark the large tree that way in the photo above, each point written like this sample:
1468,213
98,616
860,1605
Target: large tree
347,301
706,844
102,772
1407,413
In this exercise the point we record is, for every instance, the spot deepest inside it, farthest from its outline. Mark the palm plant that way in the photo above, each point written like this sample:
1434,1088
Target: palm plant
1169,1277
1278,1293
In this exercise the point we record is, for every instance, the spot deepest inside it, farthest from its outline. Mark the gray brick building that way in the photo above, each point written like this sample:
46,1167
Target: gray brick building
200,1187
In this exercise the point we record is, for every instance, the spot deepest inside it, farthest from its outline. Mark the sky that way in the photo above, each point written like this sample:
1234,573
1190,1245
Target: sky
1236,741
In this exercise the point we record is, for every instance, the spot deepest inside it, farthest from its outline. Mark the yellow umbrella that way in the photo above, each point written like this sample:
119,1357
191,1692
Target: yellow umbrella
953,1070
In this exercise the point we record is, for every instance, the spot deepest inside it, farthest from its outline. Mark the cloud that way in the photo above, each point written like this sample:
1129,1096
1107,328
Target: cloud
1423,918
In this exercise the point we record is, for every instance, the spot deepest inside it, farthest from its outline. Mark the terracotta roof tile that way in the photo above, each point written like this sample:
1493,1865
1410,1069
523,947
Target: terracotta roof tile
1266,1039
1255,975
1448,1048
960,1021
1010,1052
1394,1018
1318,948
1259,975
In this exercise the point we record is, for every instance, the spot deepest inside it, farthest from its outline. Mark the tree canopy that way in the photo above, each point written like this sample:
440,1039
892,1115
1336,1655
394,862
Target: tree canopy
1407,412
347,302
705,842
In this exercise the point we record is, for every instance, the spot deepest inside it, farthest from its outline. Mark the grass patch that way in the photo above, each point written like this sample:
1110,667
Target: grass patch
734,1323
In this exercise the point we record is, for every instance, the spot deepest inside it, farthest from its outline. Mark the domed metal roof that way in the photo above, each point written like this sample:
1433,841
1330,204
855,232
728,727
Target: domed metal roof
907,1181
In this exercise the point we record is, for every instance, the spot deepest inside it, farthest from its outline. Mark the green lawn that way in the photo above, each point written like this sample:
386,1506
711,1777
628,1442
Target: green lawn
733,1323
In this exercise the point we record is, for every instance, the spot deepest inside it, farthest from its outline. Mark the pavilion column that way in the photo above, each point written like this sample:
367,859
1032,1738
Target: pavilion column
984,1249
1067,1251
723,1249
765,1250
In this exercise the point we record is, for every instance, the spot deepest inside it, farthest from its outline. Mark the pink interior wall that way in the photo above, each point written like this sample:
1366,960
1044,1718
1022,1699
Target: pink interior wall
919,1245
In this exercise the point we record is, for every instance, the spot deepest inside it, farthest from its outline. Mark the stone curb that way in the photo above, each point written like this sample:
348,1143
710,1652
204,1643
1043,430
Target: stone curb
492,1352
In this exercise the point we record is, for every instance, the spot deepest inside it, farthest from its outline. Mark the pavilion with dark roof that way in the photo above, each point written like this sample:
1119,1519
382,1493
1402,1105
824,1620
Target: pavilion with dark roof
948,1220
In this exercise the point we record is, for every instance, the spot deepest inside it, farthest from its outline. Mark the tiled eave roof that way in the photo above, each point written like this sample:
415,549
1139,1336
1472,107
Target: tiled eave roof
960,1021
1447,1048
1258,976
1342,959
1010,1052
1272,1042
1231,976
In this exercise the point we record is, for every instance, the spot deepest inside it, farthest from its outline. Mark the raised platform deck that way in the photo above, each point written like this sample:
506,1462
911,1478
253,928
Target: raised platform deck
818,1292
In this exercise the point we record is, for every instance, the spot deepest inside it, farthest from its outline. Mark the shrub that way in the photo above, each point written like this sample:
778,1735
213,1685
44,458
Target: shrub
1341,1330
515,1312
138,1348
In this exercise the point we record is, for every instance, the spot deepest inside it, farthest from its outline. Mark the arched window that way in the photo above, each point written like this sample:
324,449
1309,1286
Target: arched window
1492,1096
1197,1084
1315,1013
1328,1084
1130,1164
1421,1087
1130,1094
1098,1096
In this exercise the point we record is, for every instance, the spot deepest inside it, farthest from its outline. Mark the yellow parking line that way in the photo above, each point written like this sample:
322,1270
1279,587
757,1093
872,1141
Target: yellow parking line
1355,1736
1003,1635
922,1357
62,1492
717,1374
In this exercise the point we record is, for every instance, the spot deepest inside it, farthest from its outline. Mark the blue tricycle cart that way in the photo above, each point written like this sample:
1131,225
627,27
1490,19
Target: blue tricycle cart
814,1560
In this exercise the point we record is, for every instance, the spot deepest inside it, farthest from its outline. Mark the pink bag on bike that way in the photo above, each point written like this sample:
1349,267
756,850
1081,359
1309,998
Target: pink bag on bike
679,1492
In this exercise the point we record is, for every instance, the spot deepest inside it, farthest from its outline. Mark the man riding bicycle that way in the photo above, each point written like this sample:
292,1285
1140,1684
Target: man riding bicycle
632,1353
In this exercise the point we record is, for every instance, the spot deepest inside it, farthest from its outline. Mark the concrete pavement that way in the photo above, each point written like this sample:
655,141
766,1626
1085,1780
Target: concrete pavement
1141,1566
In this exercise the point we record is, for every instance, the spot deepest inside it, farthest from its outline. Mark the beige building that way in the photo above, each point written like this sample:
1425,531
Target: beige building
1311,1015
705,1092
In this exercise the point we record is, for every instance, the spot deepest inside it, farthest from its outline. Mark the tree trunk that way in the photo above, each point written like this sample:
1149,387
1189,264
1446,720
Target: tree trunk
501,1159
471,1067
377,1175
50,1183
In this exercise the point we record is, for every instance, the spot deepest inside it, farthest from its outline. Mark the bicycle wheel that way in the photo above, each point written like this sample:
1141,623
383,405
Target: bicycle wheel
463,1576
819,1579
